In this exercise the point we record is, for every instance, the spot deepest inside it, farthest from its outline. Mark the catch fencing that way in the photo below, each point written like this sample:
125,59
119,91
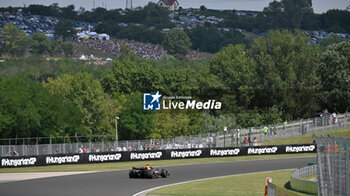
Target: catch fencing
229,138
333,154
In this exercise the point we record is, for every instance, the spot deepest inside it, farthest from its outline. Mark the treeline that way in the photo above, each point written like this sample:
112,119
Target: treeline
145,24
279,14
281,77
286,14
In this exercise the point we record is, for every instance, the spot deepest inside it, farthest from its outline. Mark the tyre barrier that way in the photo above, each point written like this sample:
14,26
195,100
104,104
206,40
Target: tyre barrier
102,157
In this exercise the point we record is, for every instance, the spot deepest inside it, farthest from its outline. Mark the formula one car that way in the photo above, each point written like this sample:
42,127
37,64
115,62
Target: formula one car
147,172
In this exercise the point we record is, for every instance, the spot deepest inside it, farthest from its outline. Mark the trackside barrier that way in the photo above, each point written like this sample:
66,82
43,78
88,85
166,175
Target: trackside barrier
232,137
59,159
303,185
274,190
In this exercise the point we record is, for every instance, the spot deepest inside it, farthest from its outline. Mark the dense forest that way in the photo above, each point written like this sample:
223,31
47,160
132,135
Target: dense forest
276,77
281,76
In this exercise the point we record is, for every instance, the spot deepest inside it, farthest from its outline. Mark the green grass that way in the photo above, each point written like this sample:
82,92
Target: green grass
127,165
242,185
307,139
312,177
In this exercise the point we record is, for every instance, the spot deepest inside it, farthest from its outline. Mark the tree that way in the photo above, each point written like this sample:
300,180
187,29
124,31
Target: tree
295,12
67,49
51,10
236,71
178,82
29,110
15,41
40,44
64,28
176,42
274,14
288,13
127,75
287,73
135,123
126,54
68,12
156,16
335,75
336,21
332,39
170,123
210,123
206,39
87,95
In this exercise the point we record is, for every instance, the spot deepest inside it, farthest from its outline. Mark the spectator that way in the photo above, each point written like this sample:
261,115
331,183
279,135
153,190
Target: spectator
255,140
15,153
119,149
274,130
265,130
331,119
188,145
211,140
335,119
80,150
246,141
285,125
84,149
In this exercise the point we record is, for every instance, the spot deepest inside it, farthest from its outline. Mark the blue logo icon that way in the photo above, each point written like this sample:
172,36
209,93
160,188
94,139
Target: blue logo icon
151,101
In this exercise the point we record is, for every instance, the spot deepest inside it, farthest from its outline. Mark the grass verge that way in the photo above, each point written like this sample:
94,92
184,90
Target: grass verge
127,165
242,185
307,139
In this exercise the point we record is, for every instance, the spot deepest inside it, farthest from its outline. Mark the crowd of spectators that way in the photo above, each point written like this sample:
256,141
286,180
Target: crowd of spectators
13,153
113,48
142,147
144,50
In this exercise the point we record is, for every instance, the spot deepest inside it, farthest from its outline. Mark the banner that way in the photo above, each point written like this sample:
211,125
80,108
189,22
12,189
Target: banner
103,157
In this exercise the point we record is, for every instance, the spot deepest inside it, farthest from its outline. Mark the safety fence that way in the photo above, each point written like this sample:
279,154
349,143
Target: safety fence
226,138
81,158
299,180
333,158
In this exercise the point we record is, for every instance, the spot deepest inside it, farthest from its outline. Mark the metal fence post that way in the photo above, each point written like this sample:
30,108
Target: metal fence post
345,116
37,146
232,137
319,166
191,141
347,169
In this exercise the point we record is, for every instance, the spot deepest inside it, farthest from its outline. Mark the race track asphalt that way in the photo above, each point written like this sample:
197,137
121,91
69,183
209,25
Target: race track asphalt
117,183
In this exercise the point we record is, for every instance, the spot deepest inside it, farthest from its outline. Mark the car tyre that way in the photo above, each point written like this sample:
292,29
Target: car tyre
164,173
